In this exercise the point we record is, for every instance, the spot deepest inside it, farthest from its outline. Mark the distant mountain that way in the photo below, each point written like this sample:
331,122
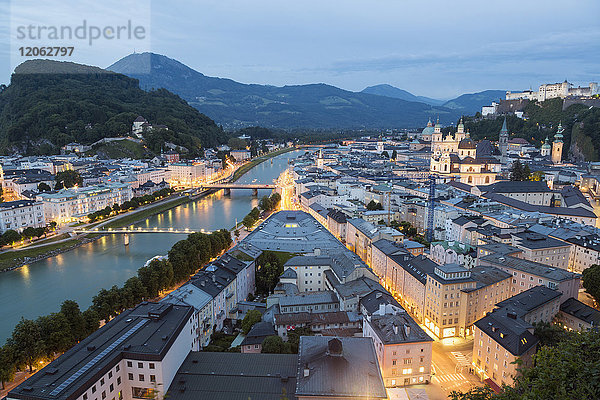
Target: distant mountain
315,106
469,104
392,91
50,103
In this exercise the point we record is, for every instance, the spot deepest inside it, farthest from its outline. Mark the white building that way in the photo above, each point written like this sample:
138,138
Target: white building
554,90
186,174
21,214
134,356
68,205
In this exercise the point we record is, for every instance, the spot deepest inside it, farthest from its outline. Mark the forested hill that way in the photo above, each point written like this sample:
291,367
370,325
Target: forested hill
50,103
581,124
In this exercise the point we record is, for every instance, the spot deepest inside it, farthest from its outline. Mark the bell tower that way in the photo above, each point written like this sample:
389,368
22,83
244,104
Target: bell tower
503,141
557,145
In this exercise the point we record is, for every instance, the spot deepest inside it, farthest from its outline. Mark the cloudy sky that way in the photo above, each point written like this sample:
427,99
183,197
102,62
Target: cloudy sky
435,48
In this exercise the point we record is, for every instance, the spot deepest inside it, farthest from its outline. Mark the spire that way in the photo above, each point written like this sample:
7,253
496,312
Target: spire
504,128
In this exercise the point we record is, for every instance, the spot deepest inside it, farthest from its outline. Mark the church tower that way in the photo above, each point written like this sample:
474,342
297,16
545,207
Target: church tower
437,132
460,132
545,152
320,160
503,141
557,145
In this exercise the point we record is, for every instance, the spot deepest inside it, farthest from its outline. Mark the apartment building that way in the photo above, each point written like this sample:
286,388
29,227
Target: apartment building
585,252
577,316
136,355
68,205
361,234
527,274
182,175
542,249
20,214
403,349
501,338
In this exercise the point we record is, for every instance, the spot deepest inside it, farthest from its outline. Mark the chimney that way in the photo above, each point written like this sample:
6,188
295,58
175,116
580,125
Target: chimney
382,309
306,370
214,278
317,252
511,315
378,295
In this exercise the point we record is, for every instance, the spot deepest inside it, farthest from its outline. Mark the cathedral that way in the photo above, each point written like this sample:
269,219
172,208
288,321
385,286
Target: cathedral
459,158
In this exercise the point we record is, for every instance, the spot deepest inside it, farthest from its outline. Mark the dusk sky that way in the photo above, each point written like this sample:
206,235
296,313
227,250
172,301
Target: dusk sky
432,48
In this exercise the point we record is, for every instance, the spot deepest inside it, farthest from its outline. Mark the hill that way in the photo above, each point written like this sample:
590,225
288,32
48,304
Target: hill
469,104
315,106
50,103
391,91
581,124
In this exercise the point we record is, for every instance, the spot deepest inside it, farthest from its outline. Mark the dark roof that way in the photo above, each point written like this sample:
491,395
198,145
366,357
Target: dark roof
516,187
531,267
337,216
339,366
535,241
258,333
289,273
508,330
146,332
17,204
398,329
373,300
527,301
581,311
486,275
235,376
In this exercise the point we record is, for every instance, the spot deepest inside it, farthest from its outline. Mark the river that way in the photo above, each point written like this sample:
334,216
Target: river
41,287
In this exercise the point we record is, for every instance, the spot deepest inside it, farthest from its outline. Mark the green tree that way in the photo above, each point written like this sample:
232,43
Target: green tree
373,206
44,187
7,365
273,344
265,204
275,200
56,334
476,393
520,172
11,236
26,340
248,221
28,232
237,143
68,178
591,281
70,310
251,318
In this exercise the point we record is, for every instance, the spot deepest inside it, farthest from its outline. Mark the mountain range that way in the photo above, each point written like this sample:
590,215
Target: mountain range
314,106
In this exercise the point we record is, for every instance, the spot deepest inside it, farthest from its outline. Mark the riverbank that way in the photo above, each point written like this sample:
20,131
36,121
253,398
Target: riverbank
259,160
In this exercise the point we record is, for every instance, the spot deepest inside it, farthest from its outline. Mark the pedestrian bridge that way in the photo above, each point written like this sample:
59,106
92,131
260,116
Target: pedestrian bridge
255,186
127,231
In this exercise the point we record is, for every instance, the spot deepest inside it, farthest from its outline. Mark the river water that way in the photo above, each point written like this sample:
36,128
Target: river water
41,287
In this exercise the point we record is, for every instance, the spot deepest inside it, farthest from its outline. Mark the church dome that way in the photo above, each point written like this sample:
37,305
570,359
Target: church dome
467,144
429,129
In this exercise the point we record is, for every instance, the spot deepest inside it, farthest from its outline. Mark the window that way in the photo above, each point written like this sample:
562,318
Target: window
130,375
421,369
140,365
94,389
111,387
102,382
118,380
85,396
151,365
143,393
407,371
129,364
103,394
393,362
141,377
117,368
152,378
